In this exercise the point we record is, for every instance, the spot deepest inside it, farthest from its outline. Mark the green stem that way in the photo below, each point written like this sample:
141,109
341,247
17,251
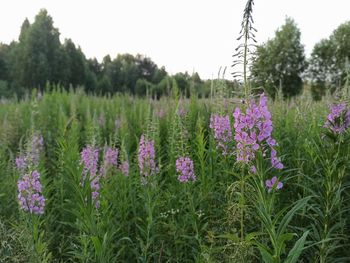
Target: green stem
246,92
242,207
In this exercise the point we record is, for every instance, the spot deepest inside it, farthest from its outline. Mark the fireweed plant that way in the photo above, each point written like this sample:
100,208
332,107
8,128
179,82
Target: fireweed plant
149,171
77,231
329,212
254,145
30,193
96,209
222,132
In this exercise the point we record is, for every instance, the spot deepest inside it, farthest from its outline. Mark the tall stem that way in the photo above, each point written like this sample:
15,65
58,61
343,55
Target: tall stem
242,207
246,27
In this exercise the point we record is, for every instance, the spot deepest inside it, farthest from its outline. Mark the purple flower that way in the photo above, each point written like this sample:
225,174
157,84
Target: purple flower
30,196
31,157
338,120
35,148
160,113
253,169
146,157
89,160
124,168
253,132
222,131
271,184
181,111
110,160
184,166
21,162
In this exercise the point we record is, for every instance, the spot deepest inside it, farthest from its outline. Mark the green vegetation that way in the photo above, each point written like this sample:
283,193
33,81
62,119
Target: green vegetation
280,62
38,58
166,220
160,168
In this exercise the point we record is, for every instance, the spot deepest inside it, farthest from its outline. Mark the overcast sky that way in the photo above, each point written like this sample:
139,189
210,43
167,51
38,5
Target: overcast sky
192,35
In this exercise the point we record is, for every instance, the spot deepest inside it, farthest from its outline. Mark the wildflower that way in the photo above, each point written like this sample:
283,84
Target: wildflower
146,157
89,159
35,148
253,132
222,131
160,113
124,168
30,196
253,169
30,193
271,184
21,163
184,166
110,160
181,111
338,120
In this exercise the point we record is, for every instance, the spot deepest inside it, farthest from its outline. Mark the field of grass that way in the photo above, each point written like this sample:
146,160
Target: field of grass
225,214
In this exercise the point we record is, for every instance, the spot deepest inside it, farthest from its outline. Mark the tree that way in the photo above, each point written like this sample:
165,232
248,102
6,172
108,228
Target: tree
76,64
159,75
182,81
143,87
4,70
146,67
328,64
40,56
280,62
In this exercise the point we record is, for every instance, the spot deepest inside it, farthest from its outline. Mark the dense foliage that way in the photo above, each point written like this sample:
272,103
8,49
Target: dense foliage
280,62
121,179
38,58
329,63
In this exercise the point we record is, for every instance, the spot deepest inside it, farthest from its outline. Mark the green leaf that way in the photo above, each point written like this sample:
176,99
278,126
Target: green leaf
281,241
97,245
265,253
295,252
288,217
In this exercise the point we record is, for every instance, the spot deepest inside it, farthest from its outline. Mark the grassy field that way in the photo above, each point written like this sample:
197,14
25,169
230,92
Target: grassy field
225,212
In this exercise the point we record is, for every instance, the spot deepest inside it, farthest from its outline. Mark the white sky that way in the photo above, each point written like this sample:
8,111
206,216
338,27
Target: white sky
179,34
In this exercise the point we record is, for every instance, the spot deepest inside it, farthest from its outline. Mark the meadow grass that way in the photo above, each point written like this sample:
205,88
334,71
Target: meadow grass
226,215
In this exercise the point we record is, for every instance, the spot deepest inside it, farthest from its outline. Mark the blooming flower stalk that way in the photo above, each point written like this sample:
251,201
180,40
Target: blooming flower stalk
222,132
21,162
124,168
29,187
146,157
184,166
181,111
338,120
36,147
110,160
253,132
30,193
89,160
160,113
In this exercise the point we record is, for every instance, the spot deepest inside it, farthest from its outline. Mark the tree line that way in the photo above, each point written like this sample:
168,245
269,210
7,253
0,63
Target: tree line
280,64
39,58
